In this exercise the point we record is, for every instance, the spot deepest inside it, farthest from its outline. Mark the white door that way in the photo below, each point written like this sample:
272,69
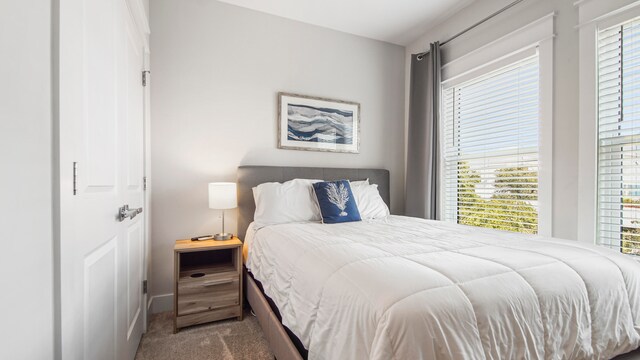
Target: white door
101,131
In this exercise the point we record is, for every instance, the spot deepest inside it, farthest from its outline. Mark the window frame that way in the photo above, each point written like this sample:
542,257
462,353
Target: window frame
593,16
488,58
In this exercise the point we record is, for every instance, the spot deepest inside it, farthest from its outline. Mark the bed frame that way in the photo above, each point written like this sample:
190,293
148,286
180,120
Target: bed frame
282,345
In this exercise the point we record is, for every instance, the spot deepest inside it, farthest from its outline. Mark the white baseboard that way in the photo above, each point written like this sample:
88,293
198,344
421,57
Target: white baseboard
160,303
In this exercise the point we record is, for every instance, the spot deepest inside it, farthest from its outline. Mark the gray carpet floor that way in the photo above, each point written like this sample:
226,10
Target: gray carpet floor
221,340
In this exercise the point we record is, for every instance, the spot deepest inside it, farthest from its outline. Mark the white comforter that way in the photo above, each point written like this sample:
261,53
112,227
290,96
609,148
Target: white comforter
405,288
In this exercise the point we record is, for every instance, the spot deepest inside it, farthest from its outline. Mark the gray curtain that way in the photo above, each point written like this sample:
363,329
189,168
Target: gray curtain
422,148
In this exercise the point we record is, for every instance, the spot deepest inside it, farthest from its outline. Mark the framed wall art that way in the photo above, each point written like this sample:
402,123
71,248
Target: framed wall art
318,124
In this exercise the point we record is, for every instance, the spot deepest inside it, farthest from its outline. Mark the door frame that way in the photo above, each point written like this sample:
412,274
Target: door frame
139,15
147,186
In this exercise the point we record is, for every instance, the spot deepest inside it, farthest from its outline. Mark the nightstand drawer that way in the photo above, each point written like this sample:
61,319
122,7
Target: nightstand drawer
212,291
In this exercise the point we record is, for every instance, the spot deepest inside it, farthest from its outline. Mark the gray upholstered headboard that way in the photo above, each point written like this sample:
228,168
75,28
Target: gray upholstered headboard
250,176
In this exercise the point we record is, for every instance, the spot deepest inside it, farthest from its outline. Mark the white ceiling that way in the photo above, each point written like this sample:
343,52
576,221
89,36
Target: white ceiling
395,21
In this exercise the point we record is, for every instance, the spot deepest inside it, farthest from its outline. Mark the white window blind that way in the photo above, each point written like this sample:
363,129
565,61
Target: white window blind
491,133
619,137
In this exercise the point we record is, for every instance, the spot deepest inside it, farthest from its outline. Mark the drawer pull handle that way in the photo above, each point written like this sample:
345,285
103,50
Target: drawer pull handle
218,282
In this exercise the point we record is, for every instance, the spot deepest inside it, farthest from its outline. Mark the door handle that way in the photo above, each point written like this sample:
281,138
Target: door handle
124,212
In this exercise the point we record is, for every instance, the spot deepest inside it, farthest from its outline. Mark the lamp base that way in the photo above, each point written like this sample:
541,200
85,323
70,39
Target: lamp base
222,236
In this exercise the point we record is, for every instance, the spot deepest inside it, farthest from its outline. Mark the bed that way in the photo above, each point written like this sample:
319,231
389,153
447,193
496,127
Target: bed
406,288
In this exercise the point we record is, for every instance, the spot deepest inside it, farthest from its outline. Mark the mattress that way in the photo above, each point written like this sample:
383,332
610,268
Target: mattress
407,288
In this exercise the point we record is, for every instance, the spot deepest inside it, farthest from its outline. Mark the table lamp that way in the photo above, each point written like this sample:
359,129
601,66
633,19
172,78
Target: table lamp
222,196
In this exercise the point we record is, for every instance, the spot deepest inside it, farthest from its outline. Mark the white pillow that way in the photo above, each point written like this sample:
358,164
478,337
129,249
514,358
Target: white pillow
357,186
369,202
291,201
358,183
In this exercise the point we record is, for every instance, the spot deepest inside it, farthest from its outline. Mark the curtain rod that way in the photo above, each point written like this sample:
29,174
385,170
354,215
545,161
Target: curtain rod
422,54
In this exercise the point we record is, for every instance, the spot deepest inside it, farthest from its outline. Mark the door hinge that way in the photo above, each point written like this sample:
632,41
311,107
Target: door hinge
144,286
75,178
144,183
145,74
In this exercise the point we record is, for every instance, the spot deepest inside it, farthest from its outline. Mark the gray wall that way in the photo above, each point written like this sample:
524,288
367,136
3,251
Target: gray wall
216,71
26,259
565,83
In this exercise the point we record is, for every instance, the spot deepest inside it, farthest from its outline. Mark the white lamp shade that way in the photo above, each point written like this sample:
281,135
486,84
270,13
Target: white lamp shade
222,195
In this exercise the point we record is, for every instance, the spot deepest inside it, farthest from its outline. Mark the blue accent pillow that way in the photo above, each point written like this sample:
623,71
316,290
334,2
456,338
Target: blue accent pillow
337,203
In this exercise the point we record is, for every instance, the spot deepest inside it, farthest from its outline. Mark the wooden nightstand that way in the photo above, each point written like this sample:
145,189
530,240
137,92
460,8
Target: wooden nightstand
207,281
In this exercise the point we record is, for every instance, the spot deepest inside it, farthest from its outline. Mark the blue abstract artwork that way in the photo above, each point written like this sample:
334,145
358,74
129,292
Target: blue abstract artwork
319,124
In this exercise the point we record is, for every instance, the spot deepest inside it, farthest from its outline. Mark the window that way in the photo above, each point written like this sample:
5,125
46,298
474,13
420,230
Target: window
491,137
618,114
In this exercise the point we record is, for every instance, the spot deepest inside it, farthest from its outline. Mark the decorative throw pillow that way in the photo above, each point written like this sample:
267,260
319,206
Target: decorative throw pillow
337,203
